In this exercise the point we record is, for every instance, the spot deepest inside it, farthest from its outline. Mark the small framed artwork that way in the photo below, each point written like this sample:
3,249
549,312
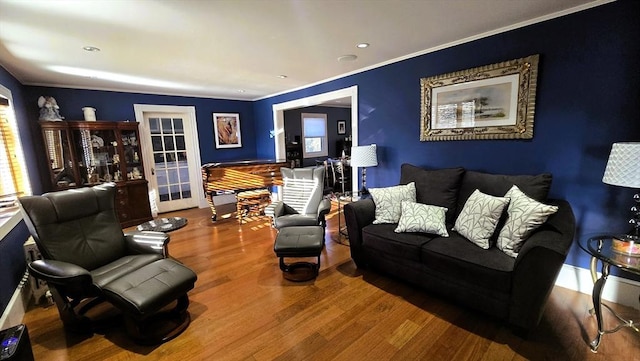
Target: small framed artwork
495,101
227,130
342,127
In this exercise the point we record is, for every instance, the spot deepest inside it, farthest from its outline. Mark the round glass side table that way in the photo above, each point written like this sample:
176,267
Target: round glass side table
601,249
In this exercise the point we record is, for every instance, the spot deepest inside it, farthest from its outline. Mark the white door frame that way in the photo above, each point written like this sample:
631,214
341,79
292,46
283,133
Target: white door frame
193,145
278,120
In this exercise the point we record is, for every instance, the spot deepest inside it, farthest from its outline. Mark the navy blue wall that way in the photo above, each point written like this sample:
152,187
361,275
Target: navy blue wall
588,97
13,262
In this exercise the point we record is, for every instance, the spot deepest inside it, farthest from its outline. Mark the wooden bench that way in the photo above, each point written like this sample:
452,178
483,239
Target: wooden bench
252,202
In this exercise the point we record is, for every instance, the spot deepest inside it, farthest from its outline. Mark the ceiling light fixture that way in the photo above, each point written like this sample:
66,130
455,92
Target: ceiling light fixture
282,76
362,45
90,48
349,57
241,90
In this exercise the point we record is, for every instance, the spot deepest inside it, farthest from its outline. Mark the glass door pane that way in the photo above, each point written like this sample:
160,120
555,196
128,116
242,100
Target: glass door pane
170,158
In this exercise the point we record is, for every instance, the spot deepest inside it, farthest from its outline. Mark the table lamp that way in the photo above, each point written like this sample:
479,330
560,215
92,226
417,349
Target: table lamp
364,156
623,169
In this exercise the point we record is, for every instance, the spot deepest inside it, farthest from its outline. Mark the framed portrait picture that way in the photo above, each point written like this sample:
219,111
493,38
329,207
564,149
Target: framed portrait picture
342,127
227,130
495,101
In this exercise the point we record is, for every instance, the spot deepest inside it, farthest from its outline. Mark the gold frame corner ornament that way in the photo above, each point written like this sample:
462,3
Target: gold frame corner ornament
444,116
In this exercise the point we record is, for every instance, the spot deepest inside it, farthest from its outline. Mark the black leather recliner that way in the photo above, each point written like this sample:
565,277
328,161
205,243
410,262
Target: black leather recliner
88,259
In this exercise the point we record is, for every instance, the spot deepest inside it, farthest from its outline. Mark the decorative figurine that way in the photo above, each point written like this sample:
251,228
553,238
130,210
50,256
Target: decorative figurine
49,109
96,141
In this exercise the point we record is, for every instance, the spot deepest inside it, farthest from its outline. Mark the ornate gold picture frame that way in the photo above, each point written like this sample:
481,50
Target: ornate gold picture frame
494,101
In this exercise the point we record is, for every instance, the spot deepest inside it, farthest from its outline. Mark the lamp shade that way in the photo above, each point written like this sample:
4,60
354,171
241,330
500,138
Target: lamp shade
364,156
623,167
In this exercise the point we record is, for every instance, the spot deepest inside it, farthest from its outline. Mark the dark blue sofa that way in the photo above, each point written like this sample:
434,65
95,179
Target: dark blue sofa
511,289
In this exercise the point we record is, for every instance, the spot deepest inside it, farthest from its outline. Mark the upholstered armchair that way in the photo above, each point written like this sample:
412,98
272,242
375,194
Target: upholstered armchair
88,259
303,203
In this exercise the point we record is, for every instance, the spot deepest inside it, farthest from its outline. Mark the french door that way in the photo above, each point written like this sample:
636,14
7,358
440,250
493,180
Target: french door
172,162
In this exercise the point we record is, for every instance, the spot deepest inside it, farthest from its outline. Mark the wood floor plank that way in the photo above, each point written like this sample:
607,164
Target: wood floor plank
243,309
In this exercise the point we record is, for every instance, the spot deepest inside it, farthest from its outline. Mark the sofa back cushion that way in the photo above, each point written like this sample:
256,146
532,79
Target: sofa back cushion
437,187
535,186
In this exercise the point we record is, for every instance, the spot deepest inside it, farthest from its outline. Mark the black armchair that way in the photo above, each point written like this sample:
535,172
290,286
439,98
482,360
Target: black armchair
303,202
88,259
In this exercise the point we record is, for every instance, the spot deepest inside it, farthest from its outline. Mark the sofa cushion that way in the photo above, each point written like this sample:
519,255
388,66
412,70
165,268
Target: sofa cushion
479,217
418,217
535,186
438,187
524,215
382,238
388,201
460,259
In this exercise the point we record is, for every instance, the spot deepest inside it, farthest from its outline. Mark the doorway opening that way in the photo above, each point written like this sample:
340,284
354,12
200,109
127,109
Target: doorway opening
349,94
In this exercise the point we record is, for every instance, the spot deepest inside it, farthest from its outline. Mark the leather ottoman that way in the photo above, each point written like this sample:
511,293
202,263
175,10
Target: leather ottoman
299,241
144,293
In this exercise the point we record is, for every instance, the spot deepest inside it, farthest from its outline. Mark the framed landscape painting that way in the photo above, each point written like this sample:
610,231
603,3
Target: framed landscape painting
495,101
227,130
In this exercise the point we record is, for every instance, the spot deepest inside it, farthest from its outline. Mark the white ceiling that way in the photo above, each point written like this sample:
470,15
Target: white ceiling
236,49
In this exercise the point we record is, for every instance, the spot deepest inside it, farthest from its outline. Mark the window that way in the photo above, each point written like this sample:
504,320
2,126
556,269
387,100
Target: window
314,135
14,180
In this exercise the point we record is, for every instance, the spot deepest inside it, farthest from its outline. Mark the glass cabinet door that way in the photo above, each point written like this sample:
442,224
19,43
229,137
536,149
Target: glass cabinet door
62,169
96,151
132,160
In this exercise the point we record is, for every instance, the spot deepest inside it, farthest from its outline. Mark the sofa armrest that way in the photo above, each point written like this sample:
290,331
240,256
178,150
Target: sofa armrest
538,264
556,234
147,242
357,215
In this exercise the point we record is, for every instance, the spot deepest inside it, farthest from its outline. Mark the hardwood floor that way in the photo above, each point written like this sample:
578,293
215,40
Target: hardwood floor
242,309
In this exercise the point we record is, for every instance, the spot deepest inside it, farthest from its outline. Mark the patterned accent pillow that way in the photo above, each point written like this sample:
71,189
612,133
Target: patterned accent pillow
418,217
297,193
524,215
388,201
479,217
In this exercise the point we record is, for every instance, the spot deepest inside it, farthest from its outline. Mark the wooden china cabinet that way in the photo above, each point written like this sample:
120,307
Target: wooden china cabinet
82,154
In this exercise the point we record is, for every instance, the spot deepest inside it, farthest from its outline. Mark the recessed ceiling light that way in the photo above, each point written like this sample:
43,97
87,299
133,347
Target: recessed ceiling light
349,57
363,45
90,48
282,76
241,90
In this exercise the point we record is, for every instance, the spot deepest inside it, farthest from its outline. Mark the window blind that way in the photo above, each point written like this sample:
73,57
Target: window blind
13,173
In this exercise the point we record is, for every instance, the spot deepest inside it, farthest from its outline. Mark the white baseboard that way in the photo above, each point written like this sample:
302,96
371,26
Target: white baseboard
618,290
17,306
